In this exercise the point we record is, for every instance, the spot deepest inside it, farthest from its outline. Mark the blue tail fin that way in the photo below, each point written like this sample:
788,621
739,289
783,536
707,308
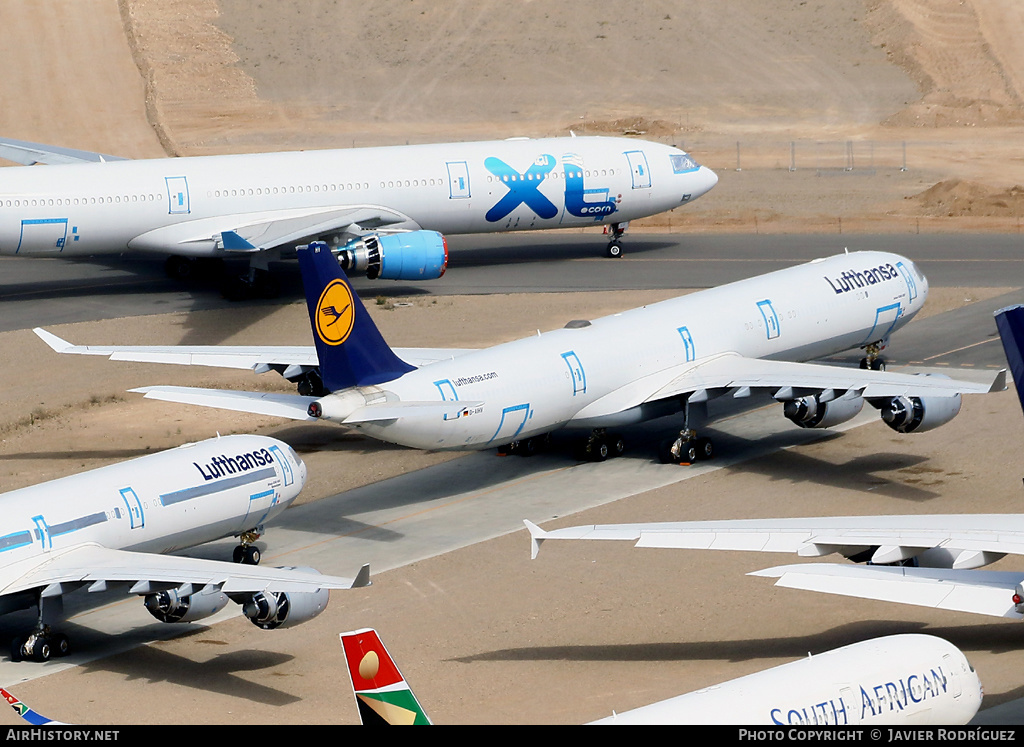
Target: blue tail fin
349,346
1010,322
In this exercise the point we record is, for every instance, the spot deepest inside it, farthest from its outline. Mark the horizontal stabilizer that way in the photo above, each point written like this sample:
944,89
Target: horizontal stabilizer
292,406
980,592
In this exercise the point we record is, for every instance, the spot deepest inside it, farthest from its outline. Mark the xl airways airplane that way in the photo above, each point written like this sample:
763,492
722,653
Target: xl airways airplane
112,527
898,679
924,560
727,342
384,209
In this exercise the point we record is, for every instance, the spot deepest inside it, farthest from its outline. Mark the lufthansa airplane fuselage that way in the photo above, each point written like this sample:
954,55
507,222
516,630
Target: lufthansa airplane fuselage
194,206
899,679
576,376
158,503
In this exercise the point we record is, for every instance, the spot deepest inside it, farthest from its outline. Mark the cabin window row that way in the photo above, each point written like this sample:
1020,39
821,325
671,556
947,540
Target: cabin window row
300,189
68,201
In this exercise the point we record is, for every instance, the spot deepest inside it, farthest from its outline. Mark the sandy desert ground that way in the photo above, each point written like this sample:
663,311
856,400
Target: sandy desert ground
750,88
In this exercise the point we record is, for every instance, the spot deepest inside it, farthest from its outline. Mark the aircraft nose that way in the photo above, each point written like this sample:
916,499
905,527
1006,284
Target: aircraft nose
706,180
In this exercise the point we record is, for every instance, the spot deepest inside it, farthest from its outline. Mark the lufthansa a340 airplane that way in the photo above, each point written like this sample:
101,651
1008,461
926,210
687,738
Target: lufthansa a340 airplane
384,209
111,528
726,342
898,679
924,560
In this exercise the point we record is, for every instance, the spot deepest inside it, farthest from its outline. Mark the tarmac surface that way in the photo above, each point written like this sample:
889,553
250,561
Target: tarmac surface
412,523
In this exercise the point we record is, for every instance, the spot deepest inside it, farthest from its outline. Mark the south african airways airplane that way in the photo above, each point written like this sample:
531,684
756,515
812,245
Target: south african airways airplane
896,679
383,210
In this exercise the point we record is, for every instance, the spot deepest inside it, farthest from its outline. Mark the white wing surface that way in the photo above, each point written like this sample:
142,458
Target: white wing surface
62,571
230,356
784,379
30,154
258,231
981,592
887,536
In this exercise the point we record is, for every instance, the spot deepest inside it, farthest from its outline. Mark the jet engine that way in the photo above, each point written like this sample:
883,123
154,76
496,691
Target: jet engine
271,610
413,255
171,607
919,414
811,412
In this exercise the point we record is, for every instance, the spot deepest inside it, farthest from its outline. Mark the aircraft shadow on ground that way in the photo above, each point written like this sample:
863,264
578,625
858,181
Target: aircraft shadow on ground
997,638
522,250
472,473
127,654
111,454
863,473
222,674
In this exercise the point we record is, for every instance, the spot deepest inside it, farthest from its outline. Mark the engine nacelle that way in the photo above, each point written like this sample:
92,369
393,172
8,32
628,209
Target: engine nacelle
171,607
413,255
272,610
811,412
919,414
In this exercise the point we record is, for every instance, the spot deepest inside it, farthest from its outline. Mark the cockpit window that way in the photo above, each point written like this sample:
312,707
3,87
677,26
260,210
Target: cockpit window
681,163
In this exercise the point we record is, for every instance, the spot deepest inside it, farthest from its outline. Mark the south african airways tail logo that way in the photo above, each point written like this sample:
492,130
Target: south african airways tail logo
524,189
335,313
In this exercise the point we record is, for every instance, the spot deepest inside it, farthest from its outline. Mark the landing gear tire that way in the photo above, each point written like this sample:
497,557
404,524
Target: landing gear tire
179,268
686,451
61,645
598,450
247,555
613,250
705,448
41,650
876,364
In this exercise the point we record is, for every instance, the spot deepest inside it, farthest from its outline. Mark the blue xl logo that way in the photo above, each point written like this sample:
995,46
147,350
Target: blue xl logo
523,188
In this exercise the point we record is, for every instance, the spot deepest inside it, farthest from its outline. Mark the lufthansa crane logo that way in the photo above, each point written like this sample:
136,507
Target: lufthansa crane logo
335,313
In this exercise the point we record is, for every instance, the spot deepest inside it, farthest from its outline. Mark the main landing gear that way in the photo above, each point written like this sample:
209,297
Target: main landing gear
257,282
601,445
614,247
42,643
872,357
247,553
686,449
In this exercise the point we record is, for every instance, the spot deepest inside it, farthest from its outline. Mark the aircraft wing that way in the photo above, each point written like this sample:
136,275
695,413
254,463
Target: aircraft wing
784,379
888,538
258,231
980,592
62,571
259,359
30,154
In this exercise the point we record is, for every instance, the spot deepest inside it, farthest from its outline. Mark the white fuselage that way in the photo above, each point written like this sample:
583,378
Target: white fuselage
181,205
900,679
559,378
157,503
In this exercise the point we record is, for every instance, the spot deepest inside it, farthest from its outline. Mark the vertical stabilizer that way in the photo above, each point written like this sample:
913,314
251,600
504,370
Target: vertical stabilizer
382,694
1010,322
30,716
349,346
